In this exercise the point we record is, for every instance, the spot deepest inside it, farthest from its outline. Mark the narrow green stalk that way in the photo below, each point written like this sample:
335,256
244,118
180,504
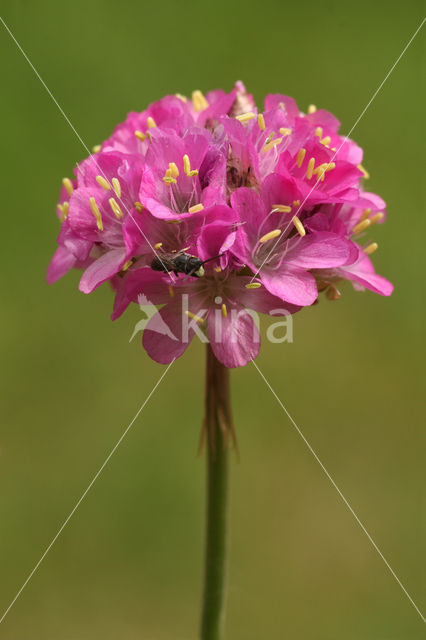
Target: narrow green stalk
218,431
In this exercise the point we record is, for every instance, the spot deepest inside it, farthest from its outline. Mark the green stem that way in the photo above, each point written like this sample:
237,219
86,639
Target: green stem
218,429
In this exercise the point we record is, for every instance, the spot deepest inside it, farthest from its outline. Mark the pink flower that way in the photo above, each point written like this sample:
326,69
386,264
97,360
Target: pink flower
212,209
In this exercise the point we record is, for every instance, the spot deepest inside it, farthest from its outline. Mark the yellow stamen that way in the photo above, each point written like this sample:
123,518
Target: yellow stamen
326,141
150,123
269,138
194,316
68,185
138,206
117,187
296,203
312,108
224,310
64,208
187,167
300,157
140,136
96,148
103,183
299,226
377,217
217,269
361,226
96,213
253,285
245,117
199,101
365,214
261,121
364,171
196,208
158,245
168,177
281,208
271,144
171,292
173,221
115,208
310,169
334,149
126,265
269,236
173,169
181,97
318,132
285,131
371,248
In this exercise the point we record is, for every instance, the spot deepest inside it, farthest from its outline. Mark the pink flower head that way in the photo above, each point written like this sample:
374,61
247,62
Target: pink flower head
211,210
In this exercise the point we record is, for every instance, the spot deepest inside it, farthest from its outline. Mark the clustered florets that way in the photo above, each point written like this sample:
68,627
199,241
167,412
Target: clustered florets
273,200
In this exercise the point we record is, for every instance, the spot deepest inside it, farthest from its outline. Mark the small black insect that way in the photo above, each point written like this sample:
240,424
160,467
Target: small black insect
180,262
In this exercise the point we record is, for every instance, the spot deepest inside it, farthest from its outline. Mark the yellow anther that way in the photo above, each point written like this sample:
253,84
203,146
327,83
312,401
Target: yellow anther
117,187
299,226
271,144
310,169
168,179
181,97
158,245
103,183
285,131
318,132
171,291
224,310
245,117
187,167
253,285
326,141
300,157
140,136
68,185
261,121
281,208
150,123
269,138
196,208
296,203
173,221
217,269
96,148
364,171
371,248
361,226
334,149
115,208
138,206
365,214
199,101
173,169
377,217
312,108
270,236
126,265
64,209
96,213
194,316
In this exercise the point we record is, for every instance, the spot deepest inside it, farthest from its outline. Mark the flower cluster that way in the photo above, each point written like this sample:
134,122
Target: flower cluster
236,208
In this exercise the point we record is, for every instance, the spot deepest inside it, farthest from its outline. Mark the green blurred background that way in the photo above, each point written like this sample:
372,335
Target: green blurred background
128,565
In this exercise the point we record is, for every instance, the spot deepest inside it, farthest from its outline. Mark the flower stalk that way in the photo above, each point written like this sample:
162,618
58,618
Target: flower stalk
218,432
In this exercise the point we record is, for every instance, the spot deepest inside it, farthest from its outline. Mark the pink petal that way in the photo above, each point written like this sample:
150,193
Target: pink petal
235,340
102,269
60,264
